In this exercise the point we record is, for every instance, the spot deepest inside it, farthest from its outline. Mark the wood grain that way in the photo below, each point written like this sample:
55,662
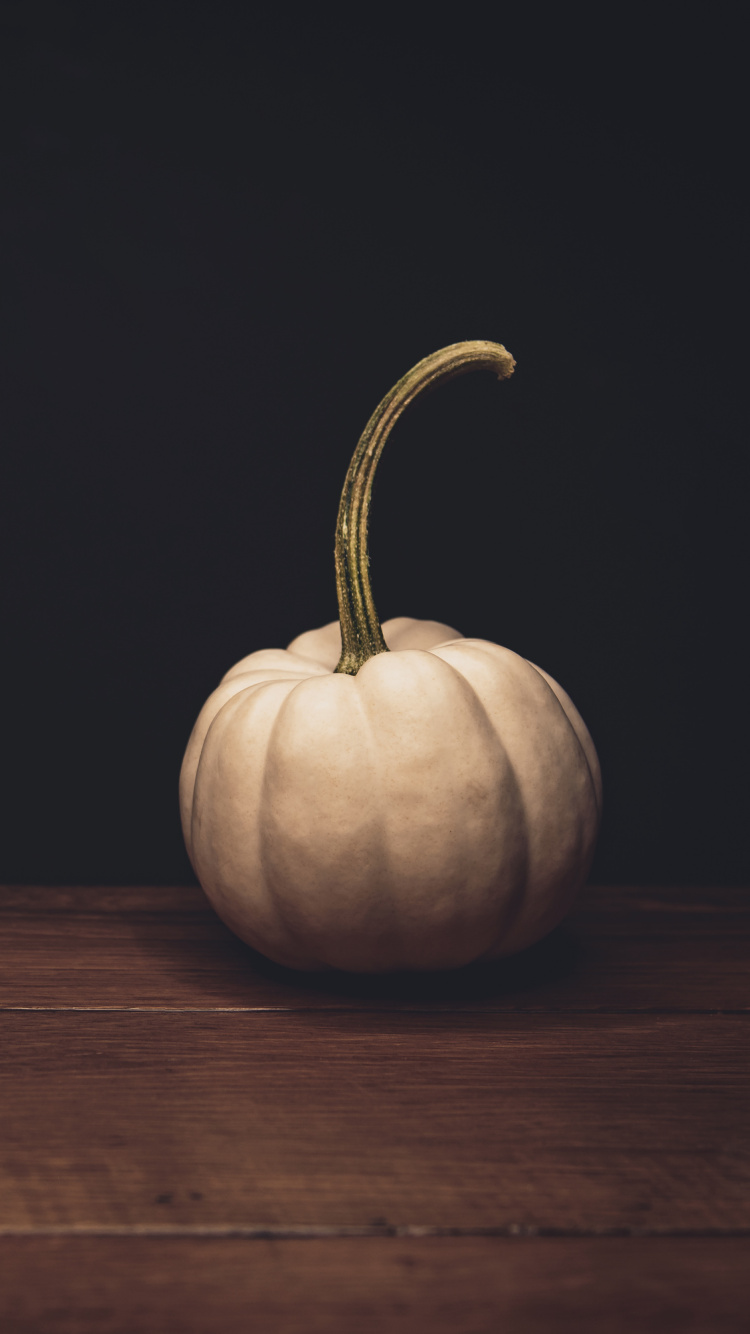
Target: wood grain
444,1286
619,951
292,1119
171,1102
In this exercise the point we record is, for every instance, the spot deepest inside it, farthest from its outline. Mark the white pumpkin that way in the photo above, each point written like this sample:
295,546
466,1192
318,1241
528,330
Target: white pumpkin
413,800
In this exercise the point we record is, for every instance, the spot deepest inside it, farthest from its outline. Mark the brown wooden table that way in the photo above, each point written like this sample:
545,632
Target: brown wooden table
193,1139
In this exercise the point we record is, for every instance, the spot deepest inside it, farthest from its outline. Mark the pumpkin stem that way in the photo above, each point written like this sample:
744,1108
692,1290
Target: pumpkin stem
361,634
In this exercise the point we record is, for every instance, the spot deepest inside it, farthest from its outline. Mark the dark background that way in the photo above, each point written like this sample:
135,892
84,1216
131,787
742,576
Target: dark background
223,239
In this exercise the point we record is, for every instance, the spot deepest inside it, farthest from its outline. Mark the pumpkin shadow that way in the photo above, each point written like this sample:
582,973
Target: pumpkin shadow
191,956
539,968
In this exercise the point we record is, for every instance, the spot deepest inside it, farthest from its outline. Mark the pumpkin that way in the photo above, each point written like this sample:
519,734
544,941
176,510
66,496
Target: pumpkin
398,797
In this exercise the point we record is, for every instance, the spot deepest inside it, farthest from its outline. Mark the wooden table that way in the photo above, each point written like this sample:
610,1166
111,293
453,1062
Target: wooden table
193,1139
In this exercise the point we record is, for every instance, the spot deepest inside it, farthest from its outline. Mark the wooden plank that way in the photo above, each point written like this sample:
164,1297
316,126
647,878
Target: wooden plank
619,951
361,1119
478,1285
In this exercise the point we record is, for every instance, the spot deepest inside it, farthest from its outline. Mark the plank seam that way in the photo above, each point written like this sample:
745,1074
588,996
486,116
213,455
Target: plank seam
435,1008
312,1232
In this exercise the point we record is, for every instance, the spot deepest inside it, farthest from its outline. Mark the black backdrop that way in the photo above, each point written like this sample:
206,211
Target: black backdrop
223,239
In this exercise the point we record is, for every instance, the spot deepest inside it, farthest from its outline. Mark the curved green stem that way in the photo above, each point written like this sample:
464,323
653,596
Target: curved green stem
361,635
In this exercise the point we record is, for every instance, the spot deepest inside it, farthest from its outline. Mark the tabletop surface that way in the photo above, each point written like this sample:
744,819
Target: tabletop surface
192,1138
